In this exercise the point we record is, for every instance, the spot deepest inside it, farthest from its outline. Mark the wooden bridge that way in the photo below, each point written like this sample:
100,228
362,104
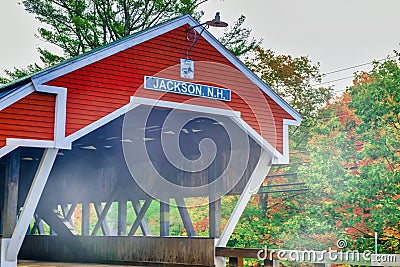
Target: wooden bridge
64,147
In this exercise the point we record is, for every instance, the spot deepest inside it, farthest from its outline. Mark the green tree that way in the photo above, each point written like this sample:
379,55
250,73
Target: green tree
17,73
376,102
238,39
354,169
80,26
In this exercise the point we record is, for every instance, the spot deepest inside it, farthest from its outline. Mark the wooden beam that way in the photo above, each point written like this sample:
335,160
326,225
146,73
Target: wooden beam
122,211
68,211
63,229
123,251
52,231
187,222
71,210
105,210
268,263
64,209
11,193
164,219
38,225
144,224
54,220
85,218
101,217
104,226
236,262
140,216
214,213
214,208
252,186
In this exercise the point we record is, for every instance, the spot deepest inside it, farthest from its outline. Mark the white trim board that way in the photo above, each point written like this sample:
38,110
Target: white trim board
60,113
183,106
17,142
137,101
278,158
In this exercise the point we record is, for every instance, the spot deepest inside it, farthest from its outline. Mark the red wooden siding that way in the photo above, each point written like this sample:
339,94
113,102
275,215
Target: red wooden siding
29,118
96,90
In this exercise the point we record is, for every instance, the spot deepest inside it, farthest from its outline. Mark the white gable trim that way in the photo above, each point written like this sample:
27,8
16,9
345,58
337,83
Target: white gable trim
285,157
18,94
7,149
278,158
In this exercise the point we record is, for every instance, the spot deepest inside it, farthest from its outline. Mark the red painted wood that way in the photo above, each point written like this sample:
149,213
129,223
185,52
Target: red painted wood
29,118
96,90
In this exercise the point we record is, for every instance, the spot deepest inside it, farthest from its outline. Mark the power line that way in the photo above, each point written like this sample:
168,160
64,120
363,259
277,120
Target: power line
336,80
356,66
348,68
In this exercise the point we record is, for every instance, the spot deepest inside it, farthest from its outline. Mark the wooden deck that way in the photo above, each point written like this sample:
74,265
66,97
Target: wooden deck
24,263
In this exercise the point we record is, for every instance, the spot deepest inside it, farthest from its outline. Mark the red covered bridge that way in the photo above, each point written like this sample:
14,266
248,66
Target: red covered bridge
135,121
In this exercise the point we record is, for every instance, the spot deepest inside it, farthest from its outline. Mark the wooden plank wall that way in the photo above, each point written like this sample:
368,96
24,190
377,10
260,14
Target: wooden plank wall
151,251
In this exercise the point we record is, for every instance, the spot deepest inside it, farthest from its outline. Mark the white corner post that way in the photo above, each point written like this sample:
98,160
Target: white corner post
252,187
10,246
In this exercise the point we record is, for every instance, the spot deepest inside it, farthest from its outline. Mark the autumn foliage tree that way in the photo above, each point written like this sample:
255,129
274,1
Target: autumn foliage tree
354,169
292,78
271,219
351,164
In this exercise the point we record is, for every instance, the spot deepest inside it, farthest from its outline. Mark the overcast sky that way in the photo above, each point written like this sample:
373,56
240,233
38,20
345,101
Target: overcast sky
336,33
